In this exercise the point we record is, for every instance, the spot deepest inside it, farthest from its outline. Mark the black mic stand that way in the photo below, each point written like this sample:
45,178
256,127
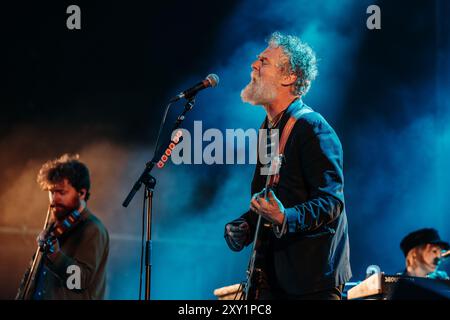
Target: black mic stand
149,182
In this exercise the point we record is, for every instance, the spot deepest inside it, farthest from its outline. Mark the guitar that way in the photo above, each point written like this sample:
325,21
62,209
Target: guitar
254,270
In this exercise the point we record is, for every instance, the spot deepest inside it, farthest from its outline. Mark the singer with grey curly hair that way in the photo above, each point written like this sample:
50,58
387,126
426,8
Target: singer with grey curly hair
297,214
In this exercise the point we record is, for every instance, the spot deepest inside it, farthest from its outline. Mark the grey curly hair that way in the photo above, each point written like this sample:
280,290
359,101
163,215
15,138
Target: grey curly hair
301,60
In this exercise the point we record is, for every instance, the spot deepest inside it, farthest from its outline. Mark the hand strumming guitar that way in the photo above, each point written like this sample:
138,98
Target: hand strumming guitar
271,208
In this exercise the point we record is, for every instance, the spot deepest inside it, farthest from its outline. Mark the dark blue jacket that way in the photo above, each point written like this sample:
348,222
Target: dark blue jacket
314,253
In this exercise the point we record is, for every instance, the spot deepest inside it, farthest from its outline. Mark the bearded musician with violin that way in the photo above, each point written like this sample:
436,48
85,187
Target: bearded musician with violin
70,261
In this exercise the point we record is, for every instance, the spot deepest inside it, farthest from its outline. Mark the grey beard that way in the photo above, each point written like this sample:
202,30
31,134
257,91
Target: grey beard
258,93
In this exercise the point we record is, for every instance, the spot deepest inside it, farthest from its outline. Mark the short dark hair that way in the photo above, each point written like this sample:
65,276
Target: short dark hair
65,167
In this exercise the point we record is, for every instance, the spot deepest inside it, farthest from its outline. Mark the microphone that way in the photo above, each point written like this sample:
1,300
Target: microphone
211,80
444,256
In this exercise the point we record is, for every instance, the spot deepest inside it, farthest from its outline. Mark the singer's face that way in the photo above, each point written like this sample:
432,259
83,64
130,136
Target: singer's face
265,77
64,198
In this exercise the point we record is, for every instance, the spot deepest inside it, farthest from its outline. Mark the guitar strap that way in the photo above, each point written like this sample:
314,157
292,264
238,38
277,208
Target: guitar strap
297,114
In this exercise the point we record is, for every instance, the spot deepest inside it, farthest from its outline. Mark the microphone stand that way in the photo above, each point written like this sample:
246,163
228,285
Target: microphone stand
149,183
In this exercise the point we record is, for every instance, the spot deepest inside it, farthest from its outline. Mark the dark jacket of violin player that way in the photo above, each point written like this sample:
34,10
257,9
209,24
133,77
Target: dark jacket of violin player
423,250
305,251
75,245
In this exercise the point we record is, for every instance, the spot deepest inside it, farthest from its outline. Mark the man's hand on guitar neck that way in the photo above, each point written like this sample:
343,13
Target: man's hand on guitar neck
271,208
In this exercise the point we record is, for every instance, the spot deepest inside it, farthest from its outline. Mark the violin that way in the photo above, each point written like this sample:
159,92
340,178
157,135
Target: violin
53,231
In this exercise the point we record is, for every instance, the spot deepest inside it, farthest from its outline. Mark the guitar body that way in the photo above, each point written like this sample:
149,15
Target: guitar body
256,274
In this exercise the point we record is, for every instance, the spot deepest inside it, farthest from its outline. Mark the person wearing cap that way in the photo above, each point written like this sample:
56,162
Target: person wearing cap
423,249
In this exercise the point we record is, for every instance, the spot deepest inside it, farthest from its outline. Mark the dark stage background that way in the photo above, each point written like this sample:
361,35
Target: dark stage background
100,92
